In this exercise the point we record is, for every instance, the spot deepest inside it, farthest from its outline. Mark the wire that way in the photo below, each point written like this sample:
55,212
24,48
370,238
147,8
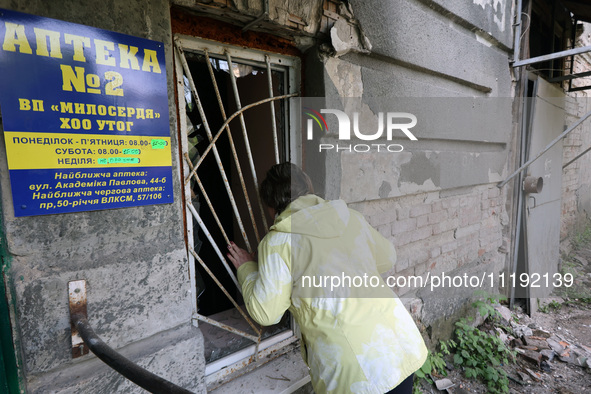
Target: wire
528,25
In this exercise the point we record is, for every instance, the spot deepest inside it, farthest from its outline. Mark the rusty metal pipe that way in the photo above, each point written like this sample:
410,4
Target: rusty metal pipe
131,371
533,184
227,327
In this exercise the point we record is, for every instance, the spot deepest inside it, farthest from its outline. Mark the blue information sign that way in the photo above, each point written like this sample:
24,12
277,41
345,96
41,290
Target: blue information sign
85,117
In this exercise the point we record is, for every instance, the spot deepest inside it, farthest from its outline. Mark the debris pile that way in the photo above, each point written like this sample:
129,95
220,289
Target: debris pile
545,357
537,349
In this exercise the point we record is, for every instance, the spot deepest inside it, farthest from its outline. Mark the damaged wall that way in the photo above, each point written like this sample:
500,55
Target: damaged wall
436,200
284,18
133,259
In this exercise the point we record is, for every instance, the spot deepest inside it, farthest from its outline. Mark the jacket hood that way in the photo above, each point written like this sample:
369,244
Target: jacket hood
313,216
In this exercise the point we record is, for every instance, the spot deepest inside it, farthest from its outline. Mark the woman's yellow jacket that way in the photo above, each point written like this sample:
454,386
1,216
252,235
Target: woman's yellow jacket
322,261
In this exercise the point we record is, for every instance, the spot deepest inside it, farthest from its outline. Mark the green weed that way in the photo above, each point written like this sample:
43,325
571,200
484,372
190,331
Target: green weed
479,353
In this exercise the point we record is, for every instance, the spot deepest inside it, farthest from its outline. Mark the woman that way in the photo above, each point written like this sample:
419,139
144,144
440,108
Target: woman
356,337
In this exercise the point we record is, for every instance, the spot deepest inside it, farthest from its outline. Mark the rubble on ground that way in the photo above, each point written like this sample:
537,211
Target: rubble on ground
546,357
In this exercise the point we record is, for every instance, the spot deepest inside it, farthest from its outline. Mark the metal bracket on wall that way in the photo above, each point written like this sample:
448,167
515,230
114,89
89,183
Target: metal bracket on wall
84,339
77,300
547,148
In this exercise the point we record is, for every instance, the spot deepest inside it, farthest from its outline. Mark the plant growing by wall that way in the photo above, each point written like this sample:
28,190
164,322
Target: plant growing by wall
481,353
435,364
478,352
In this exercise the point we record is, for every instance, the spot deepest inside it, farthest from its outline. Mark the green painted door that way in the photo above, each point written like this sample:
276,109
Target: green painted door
8,369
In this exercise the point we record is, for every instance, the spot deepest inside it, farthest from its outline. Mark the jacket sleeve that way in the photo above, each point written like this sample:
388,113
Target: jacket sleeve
266,286
385,251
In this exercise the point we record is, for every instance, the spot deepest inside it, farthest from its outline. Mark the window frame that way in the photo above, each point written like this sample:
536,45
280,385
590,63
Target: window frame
286,340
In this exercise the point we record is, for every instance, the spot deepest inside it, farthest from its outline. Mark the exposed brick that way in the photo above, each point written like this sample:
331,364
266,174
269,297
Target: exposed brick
470,215
488,235
402,239
383,216
462,232
448,247
453,212
407,272
385,230
403,226
437,217
400,279
494,192
419,210
419,255
450,203
447,225
469,201
421,269
467,254
422,221
435,252
402,212
437,206
421,233
401,291
402,264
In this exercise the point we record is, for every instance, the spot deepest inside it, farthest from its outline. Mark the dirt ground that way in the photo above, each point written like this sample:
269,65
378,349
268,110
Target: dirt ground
566,317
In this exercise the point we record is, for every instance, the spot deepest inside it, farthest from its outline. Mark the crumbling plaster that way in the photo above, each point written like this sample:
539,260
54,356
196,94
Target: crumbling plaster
449,64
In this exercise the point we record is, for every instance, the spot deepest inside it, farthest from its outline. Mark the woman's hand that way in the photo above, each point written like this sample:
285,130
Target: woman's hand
239,256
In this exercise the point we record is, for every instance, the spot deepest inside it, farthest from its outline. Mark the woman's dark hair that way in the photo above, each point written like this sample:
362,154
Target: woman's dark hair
284,183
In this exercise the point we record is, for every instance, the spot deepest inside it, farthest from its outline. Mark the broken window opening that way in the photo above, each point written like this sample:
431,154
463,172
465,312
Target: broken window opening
550,30
221,180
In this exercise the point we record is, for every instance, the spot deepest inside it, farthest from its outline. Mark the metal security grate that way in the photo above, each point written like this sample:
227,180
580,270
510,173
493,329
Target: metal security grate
248,217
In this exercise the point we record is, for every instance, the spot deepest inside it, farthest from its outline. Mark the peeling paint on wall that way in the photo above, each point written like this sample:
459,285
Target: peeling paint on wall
494,176
345,76
385,189
420,169
362,173
346,37
408,188
498,7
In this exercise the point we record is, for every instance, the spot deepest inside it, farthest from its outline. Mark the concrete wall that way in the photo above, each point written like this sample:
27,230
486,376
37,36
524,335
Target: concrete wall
134,260
437,200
